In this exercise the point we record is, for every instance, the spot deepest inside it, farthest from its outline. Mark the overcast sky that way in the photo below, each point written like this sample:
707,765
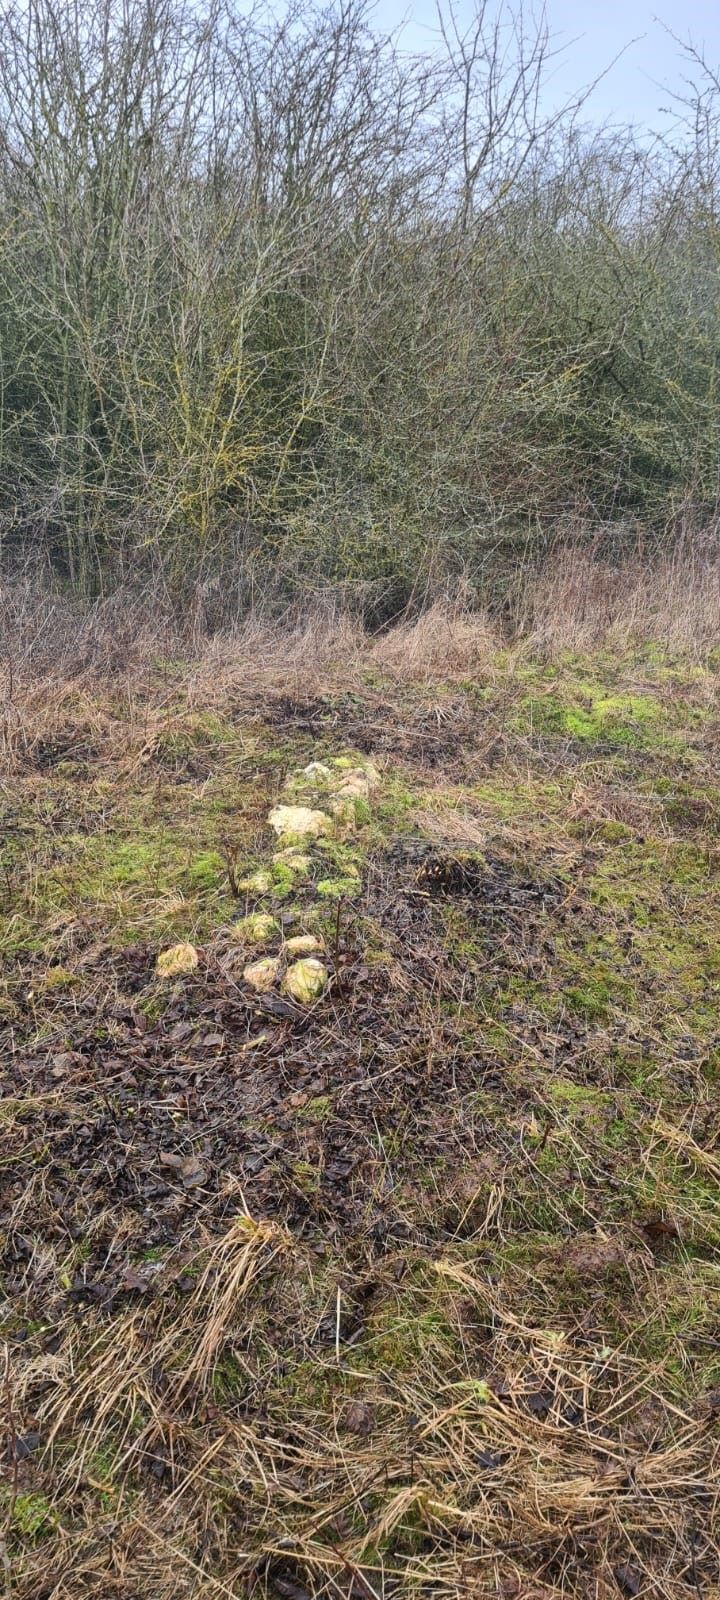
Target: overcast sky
594,32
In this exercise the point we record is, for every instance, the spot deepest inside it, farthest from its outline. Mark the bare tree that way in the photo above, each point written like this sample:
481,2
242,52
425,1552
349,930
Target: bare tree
276,294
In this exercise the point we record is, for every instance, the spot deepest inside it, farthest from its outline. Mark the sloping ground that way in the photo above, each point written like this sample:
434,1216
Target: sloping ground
414,1291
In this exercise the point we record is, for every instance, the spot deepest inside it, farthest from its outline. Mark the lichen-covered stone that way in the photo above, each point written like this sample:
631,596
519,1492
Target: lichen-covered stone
303,944
299,822
257,883
258,928
293,857
315,776
175,961
306,980
316,769
355,785
348,768
293,862
343,810
261,974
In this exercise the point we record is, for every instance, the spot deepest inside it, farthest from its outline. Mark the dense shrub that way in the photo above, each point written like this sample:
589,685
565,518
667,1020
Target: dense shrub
280,304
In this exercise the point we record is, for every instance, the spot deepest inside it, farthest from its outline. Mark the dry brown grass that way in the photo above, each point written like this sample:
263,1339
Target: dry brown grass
446,641
72,673
106,677
579,601
578,598
441,1484
458,1490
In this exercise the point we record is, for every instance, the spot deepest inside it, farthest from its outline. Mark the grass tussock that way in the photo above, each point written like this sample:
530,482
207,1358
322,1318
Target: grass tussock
443,642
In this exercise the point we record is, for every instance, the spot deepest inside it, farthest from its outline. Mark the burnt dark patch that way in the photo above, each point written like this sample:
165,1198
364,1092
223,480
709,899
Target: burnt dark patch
489,879
45,754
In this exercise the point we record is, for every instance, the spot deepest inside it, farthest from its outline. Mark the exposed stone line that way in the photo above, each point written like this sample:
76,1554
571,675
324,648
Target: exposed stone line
344,786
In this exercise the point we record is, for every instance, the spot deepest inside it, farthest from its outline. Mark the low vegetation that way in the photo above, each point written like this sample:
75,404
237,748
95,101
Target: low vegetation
411,1290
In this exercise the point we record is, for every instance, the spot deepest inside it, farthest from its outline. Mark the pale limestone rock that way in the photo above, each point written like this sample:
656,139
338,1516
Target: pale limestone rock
261,974
258,928
306,980
355,786
180,958
303,944
299,821
345,767
257,883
